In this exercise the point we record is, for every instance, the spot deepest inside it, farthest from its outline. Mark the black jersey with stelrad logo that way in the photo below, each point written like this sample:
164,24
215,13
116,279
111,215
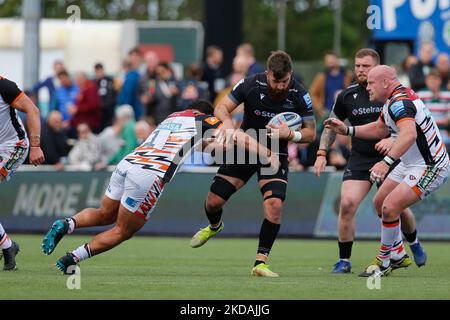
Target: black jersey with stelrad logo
353,104
259,108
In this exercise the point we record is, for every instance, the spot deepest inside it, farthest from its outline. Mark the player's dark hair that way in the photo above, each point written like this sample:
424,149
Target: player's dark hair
280,63
368,52
203,106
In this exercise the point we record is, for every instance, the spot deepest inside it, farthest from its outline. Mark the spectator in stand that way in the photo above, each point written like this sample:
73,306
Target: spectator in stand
119,79
246,50
163,97
403,73
419,70
107,93
50,83
443,66
151,60
193,88
66,96
130,91
142,131
109,143
212,73
437,101
327,83
54,140
87,107
240,65
125,115
85,153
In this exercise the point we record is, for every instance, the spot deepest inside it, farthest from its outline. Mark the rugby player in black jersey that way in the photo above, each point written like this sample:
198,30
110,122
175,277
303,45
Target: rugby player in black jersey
264,95
354,105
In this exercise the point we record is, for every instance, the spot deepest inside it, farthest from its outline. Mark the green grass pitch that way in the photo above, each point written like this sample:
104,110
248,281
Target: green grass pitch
167,268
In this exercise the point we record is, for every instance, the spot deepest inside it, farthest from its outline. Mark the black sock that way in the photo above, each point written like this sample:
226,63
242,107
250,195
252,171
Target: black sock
258,262
267,235
410,237
216,228
214,217
345,249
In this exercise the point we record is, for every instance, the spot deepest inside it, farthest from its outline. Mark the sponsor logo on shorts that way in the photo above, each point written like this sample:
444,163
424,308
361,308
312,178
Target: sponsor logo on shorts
411,177
151,198
15,158
427,178
131,202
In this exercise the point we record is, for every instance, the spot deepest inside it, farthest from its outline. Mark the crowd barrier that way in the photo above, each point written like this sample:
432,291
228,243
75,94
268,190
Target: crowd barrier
33,199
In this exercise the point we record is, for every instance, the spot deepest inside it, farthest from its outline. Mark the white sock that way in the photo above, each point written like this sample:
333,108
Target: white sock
5,241
82,253
71,223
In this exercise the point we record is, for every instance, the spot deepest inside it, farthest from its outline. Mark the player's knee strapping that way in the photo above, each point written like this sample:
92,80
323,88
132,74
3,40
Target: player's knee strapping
222,187
274,189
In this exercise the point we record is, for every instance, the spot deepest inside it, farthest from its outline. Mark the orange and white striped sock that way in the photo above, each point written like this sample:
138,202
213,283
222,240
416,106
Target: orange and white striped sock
398,249
389,233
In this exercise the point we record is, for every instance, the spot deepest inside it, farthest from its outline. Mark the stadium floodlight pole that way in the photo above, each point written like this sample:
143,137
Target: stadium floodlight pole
337,7
31,13
281,7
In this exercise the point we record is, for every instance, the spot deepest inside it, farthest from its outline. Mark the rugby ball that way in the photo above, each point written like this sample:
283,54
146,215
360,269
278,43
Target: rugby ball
292,120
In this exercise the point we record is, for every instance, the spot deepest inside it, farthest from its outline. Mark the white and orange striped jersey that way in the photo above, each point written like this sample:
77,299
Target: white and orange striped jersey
11,128
429,149
168,145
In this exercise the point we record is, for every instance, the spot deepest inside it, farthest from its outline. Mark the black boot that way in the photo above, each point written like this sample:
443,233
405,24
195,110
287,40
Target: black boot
10,256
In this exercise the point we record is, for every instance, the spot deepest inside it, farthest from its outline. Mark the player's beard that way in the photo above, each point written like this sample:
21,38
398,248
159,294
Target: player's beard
277,95
362,80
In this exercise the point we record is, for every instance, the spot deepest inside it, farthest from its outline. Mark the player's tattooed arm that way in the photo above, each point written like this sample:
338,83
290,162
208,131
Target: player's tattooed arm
328,136
308,130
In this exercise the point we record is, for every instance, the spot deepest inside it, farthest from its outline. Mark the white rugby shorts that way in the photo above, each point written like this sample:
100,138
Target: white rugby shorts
11,157
137,189
423,180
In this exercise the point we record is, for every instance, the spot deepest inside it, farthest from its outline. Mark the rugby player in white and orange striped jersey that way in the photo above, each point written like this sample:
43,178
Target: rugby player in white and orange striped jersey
14,146
139,179
418,144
